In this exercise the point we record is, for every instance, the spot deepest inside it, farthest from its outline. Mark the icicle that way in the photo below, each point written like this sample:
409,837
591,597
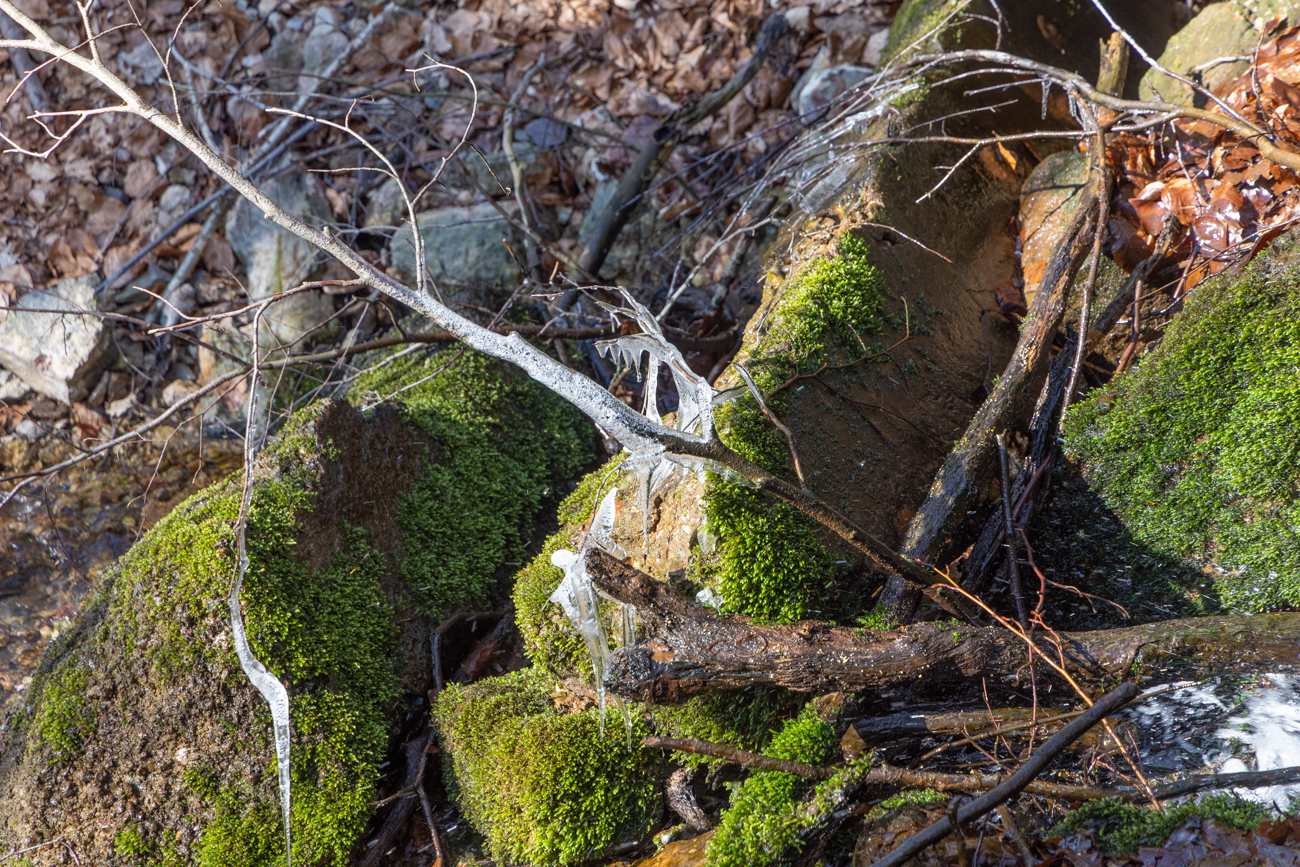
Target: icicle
576,595
267,684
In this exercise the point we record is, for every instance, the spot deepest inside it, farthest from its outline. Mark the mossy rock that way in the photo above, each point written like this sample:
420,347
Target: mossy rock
1121,829
142,742
545,787
1198,449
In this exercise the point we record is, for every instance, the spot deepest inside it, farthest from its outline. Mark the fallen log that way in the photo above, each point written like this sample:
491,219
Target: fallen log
689,650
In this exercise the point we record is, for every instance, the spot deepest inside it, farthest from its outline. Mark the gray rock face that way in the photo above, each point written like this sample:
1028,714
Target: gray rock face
1220,31
822,87
464,247
57,355
275,259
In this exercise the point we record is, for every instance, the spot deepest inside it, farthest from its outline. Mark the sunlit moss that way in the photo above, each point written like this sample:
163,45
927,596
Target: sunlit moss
763,820
543,787
770,563
1198,449
743,719
1119,828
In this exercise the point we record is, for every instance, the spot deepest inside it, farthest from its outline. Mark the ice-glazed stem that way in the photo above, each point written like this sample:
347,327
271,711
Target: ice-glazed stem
267,683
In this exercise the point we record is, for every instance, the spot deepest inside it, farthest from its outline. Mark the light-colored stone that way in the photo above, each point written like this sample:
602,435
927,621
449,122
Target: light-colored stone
385,205
276,260
824,86
464,247
1047,204
676,513
1221,30
57,355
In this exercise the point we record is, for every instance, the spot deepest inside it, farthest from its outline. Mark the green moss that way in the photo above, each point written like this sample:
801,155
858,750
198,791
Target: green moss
910,797
744,720
506,443
878,619
1120,828
763,820
1198,450
499,445
542,787
130,844
549,640
769,563
63,719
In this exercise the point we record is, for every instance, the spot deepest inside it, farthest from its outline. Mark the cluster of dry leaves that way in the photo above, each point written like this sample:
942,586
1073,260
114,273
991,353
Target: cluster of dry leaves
1227,200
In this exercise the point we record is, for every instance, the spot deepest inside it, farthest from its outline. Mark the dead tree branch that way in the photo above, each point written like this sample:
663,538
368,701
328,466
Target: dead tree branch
690,650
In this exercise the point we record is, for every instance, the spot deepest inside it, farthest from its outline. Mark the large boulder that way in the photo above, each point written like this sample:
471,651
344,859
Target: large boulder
140,739
1195,450
1213,49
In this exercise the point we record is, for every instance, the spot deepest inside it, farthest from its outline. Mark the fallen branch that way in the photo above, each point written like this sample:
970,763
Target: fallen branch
689,650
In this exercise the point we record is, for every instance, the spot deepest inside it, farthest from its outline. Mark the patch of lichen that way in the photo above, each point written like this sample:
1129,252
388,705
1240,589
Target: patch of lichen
1120,829
549,640
506,444
543,787
763,821
743,719
1198,450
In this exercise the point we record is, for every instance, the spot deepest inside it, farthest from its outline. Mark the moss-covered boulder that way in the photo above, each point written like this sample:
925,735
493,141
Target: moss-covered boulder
141,741
542,785
1198,449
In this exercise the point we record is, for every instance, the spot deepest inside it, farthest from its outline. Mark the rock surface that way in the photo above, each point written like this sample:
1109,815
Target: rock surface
140,734
1222,32
276,260
59,355
464,248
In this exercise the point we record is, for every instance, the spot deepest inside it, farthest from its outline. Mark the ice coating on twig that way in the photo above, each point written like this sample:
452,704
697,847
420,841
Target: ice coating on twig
694,406
267,683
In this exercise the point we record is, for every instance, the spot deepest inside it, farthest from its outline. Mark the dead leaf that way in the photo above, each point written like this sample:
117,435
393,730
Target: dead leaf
140,176
1051,33
218,256
88,421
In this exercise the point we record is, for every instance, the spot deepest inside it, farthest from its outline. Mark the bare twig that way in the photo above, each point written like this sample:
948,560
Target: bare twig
1016,782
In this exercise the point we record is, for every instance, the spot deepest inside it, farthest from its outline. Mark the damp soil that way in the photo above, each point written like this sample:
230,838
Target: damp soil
60,534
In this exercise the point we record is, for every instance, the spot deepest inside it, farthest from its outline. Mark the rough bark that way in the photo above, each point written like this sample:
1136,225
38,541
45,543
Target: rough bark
689,650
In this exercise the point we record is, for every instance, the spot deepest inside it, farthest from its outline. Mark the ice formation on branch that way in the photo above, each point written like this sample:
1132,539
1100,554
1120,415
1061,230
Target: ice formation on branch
267,683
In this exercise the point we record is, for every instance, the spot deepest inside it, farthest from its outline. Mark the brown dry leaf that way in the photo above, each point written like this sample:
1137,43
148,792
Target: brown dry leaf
74,254
15,280
104,219
140,175
402,38
35,9
1051,33
88,421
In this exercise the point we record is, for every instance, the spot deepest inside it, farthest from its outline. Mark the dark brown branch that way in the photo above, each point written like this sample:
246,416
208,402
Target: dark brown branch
689,650
744,758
